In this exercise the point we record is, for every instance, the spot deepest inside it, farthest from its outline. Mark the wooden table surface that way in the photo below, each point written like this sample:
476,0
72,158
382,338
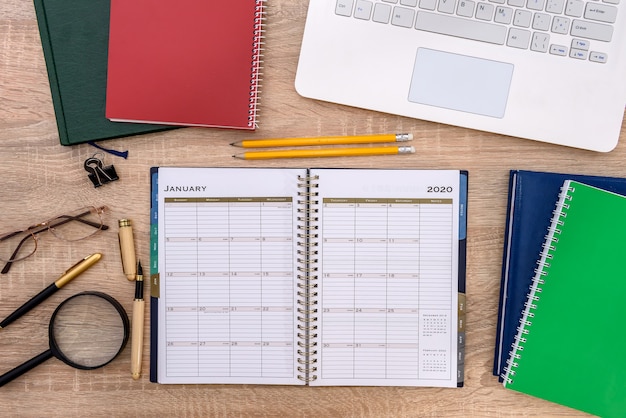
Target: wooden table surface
40,178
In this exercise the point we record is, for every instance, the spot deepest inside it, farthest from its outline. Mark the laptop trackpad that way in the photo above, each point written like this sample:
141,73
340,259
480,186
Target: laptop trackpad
459,82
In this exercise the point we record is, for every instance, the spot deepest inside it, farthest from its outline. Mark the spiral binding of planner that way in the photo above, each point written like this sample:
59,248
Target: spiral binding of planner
541,271
257,62
307,279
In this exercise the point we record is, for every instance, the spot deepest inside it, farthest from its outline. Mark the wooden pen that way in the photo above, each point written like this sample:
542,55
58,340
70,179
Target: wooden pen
127,248
136,343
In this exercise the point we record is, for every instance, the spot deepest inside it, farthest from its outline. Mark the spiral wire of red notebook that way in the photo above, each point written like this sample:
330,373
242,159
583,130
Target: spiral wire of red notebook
188,62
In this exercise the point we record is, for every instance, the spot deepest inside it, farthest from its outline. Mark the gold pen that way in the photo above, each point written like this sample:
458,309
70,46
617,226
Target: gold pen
70,274
136,343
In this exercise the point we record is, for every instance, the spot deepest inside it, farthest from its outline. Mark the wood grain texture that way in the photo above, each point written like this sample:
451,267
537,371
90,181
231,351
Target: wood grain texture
40,178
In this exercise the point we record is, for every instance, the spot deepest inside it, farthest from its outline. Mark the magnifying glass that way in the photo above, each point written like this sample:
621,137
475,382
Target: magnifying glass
87,331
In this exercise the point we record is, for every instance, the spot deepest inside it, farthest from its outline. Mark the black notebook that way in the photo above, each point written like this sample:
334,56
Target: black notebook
74,35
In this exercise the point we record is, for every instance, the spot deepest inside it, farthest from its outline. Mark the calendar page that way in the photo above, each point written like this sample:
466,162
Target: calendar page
227,242
388,277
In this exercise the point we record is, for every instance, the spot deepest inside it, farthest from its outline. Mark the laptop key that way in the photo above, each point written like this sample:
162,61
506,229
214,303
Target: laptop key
591,30
598,57
446,6
540,42
560,50
518,38
541,21
503,15
601,12
381,13
428,4
465,8
343,7
484,11
461,28
402,17
363,9
560,25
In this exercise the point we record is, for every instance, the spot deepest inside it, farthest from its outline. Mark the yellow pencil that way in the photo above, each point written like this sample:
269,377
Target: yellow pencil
326,140
324,152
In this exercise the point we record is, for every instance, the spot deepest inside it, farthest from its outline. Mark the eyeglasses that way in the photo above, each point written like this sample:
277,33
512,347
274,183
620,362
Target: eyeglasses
74,226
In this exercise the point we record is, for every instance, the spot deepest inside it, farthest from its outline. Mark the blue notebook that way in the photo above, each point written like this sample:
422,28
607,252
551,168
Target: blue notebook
532,196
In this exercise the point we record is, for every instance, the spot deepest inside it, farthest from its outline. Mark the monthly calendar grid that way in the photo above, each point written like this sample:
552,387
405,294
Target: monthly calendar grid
238,252
387,272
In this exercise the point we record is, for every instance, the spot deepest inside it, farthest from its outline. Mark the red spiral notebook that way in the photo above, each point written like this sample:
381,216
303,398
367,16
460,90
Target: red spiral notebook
184,62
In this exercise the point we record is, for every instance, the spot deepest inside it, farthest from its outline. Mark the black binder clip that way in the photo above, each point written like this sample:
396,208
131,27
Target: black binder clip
98,173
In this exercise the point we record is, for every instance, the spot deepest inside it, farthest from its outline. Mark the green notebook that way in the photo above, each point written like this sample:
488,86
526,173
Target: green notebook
571,345
74,36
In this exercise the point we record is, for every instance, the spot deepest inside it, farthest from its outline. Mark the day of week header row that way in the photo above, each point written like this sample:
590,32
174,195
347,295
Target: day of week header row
226,199
387,201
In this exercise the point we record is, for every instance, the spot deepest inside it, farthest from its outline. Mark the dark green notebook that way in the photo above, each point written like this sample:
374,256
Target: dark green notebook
571,345
74,35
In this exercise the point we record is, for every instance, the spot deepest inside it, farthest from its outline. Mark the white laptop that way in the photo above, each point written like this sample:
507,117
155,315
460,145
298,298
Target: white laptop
547,70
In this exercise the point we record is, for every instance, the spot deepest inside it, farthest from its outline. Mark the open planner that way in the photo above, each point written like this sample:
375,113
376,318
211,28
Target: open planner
308,276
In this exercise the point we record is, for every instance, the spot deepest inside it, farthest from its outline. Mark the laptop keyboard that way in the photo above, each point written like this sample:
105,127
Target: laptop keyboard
573,28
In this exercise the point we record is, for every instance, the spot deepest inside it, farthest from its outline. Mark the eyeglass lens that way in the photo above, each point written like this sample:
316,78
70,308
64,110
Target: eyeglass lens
76,225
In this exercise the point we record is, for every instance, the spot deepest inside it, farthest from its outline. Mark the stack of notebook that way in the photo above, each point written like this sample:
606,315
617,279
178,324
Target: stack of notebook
153,64
563,284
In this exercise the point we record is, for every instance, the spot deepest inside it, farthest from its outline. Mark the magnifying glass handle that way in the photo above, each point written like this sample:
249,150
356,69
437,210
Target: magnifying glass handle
24,367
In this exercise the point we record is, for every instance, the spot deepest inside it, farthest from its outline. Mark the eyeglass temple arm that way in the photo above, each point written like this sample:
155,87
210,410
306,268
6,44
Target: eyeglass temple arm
11,235
8,265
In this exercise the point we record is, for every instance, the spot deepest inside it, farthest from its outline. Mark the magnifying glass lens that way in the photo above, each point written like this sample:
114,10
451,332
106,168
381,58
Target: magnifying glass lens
87,331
